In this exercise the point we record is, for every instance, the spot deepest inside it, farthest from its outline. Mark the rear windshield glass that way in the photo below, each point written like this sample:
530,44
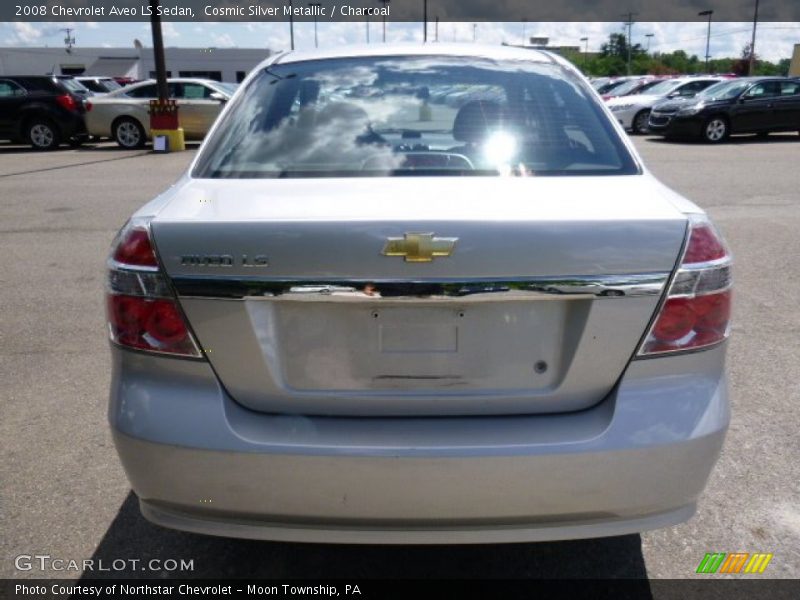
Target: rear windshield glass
422,116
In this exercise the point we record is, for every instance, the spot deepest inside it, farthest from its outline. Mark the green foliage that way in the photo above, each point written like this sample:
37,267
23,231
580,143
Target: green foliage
613,56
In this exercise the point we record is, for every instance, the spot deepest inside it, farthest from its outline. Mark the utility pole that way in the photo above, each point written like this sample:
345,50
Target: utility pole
424,21
649,36
585,41
385,4
524,26
436,31
291,25
158,52
707,13
69,41
629,25
752,67
315,5
368,29
474,32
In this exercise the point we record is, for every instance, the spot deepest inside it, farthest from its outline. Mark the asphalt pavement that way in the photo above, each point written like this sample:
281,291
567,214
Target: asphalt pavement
64,493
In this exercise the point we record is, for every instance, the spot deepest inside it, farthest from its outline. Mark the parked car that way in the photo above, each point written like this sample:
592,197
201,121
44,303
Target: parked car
633,112
99,85
74,86
336,326
41,110
612,84
630,87
123,81
748,105
124,115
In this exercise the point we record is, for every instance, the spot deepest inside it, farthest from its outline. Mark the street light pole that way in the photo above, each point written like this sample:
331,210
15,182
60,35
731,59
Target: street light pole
315,5
649,36
707,13
524,25
385,4
629,25
291,25
158,52
752,66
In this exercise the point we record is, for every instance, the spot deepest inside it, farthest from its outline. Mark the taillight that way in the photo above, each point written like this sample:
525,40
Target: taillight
696,313
142,310
67,102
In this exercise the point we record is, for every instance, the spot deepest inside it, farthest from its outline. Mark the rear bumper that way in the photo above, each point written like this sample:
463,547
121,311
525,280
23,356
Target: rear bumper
200,462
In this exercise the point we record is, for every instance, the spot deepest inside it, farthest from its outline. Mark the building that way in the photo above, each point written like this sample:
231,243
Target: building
221,64
794,66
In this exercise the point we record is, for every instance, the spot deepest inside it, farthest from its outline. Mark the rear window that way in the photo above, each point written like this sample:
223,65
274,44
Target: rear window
422,116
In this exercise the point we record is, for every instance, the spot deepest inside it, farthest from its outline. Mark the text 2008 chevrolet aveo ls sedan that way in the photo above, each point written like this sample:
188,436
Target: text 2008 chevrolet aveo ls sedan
418,295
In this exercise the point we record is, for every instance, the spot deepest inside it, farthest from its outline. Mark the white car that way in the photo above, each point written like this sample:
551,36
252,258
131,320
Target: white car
633,112
124,114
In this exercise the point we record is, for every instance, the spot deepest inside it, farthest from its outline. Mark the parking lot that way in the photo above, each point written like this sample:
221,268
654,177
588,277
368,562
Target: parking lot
64,493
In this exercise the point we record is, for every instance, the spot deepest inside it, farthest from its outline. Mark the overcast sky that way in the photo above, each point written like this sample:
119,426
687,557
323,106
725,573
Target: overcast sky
774,40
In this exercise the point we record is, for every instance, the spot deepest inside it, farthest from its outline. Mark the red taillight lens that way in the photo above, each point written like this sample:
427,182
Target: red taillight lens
697,311
687,324
143,312
677,319
67,102
149,324
704,245
134,248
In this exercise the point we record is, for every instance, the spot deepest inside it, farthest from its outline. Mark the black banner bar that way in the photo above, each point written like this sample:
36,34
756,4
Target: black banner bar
401,10
701,587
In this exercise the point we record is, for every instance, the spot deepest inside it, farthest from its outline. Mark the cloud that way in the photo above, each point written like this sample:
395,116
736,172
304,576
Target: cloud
222,40
25,33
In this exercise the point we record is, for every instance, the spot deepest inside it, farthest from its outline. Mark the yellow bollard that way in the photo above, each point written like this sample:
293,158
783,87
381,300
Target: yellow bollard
175,137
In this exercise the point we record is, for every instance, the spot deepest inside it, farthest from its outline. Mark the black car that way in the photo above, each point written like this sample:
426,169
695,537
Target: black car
42,110
747,105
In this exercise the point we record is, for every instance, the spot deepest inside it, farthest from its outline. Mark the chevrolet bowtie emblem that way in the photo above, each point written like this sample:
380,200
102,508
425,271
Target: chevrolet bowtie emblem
419,247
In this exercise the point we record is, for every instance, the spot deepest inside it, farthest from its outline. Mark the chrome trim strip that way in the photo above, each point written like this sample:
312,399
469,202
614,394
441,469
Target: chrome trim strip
237,288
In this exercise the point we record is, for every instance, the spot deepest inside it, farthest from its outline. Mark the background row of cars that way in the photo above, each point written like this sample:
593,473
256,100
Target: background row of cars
706,107
48,110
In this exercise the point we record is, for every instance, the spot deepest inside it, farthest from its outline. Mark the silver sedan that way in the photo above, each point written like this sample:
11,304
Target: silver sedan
124,114
377,310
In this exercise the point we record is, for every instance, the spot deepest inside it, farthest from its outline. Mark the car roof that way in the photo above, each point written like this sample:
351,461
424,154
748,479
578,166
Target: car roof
174,80
496,52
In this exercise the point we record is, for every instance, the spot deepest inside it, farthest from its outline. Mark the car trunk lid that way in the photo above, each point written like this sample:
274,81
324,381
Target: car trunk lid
304,302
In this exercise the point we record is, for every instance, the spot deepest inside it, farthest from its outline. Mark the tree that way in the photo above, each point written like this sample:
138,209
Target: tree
741,66
617,46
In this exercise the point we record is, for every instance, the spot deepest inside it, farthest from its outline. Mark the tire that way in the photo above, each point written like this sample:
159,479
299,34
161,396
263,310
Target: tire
128,133
42,134
639,123
716,130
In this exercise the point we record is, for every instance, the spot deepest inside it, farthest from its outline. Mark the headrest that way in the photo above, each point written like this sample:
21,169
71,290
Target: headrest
476,119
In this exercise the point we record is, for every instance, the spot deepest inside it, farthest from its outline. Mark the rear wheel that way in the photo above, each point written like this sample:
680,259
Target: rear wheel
42,134
715,130
129,133
640,122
